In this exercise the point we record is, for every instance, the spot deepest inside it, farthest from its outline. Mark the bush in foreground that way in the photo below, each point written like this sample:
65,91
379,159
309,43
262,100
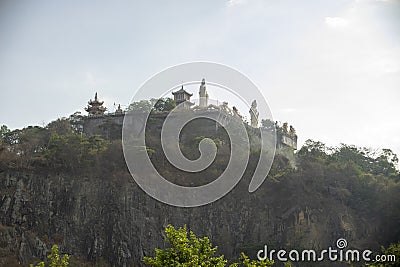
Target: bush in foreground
187,250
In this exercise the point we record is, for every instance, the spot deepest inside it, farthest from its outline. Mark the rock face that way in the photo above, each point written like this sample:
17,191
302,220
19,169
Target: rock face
110,219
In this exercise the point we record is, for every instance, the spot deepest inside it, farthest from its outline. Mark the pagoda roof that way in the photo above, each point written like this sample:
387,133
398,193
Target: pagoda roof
91,102
95,106
182,91
95,101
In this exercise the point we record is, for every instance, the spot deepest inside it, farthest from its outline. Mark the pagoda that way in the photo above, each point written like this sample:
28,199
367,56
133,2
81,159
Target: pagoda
182,97
95,107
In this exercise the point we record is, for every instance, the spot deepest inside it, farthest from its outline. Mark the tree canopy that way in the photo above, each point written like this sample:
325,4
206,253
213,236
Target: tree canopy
187,250
154,105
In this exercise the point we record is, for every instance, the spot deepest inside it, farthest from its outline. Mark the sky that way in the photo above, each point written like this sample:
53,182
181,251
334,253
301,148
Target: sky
329,68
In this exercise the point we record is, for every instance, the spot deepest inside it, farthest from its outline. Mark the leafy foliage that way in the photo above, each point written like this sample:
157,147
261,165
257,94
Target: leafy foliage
186,250
56,146
3,132
74,151
61,126
393,249
246,262
367,180
153,105
54,259
164,104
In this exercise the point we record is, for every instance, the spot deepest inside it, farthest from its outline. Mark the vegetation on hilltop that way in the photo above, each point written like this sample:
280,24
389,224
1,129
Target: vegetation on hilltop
366,181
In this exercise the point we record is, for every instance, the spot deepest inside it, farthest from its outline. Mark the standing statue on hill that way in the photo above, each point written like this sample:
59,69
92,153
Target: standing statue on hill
254,114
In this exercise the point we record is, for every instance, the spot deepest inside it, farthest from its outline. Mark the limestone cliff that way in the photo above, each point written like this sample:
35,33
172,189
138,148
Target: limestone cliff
109,219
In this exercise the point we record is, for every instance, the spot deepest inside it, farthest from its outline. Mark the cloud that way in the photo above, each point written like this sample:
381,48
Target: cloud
90,80
372,1
232,3
288,110
336,22
95,80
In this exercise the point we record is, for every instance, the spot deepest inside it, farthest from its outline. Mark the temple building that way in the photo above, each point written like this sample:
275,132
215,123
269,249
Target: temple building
109,125
182,97
95,107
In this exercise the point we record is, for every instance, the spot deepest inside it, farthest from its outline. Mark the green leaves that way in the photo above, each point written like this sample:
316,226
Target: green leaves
73,150
391,257
360,160
187,250
246,262
54,259
153,105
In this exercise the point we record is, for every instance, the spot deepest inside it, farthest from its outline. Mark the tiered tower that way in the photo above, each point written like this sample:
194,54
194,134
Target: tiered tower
182,97
95,107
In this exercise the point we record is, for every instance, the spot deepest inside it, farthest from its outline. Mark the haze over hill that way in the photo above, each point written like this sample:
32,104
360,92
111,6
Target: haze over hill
329,67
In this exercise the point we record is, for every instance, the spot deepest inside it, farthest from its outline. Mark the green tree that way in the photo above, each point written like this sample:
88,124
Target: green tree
27,144
246,262
164,104
3,132
392,250
314,148
187,250
142,105
61,126
154,105
74,151
54,259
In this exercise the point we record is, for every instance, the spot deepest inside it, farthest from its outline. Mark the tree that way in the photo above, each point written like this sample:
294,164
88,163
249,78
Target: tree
61,126
74,151
246,262
3,132
312,154
142,105
6,156
186,250
54,259
392,250
153,105
376,162
27,144
313,148
164,104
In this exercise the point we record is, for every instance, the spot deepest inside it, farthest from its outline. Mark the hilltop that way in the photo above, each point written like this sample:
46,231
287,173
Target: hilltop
73,189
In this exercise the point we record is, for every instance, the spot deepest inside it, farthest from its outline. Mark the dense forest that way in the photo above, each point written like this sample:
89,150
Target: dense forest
360,184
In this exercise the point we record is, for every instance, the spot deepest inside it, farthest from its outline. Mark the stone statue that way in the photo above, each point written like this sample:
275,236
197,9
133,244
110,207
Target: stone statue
203,95
236,112
292,131
285,127
119,110
254,114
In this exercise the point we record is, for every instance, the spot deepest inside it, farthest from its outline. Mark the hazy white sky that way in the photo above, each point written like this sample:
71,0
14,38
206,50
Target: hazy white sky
330,68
